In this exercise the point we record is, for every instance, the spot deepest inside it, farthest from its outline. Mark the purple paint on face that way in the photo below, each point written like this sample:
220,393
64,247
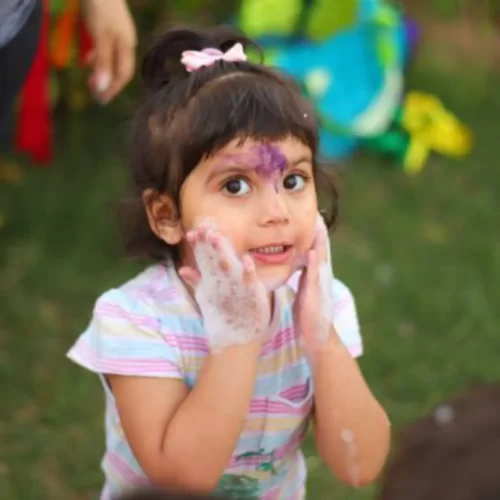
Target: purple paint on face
265,159
271,160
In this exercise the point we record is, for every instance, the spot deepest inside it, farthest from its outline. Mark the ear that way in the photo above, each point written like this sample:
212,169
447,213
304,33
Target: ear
163,218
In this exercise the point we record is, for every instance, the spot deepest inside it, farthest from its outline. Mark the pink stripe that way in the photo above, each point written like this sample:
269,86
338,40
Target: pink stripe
270,407
122,469
294,396
283,337
152,289
168,294
163,295
187,342
293,444
160,274
295,392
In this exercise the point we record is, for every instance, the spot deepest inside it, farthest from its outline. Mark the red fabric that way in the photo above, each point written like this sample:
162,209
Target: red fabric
34,129
85,42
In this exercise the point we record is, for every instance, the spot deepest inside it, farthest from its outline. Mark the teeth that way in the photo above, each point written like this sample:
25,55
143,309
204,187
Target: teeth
272,249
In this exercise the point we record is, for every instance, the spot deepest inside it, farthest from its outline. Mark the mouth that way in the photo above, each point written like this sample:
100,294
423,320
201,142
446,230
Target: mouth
276,253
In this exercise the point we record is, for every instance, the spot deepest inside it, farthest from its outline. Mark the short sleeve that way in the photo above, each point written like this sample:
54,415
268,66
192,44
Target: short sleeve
124,338
345,316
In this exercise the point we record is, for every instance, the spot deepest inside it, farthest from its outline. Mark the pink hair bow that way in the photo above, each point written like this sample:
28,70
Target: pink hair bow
196,59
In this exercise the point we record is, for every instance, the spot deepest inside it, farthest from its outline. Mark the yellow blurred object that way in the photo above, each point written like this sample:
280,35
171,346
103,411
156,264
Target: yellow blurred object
431,128
269,17
10,173
78,99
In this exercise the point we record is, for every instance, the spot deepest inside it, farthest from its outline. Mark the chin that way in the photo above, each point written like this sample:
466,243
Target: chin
275,278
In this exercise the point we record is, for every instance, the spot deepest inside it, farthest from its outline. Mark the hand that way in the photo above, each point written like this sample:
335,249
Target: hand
313,307
113,59
233,302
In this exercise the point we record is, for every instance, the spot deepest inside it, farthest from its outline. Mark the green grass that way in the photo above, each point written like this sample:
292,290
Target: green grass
422,256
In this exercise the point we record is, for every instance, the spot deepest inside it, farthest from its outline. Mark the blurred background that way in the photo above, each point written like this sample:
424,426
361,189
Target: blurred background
417,241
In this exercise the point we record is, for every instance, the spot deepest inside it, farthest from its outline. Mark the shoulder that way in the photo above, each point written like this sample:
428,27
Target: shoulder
345,317
126,332
140,301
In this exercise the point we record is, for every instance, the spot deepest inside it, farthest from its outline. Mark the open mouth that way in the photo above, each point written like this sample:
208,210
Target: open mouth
271,249
272,254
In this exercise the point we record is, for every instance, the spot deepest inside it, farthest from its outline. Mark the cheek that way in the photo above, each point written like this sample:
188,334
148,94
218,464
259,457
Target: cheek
232,228
305,218
308,235
224,221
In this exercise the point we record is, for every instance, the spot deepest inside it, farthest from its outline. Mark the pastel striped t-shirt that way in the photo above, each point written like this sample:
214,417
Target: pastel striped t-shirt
150,327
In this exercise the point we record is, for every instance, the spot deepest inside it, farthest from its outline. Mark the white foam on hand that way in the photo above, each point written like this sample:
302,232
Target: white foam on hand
325,279
233,302
313,306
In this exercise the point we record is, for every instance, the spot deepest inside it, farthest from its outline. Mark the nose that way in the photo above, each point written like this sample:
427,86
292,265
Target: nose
273,207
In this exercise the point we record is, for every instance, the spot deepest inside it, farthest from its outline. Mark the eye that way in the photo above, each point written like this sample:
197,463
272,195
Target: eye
294,182
237,187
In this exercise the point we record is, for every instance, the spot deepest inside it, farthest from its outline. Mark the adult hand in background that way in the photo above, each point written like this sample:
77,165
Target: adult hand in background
113,59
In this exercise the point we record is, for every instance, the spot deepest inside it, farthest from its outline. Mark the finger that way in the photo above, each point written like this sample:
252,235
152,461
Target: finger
312,267
123,68
191,237
103,64
190,276
228,252
321,241
214,239
89,59
302,279
216,242
322,247
201,234
249,271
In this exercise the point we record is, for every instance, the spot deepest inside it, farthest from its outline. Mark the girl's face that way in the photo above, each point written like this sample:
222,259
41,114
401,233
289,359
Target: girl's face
262,196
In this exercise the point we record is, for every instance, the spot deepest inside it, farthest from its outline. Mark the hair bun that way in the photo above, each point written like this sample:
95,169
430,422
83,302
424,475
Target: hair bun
162,62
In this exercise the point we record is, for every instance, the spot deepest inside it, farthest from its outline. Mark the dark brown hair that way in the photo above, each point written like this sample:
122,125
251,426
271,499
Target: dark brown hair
451,454
187,117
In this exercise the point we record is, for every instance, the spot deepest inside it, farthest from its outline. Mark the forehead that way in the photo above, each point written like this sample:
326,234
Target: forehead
289,148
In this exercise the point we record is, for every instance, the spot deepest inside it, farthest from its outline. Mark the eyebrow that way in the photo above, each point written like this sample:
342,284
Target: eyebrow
236,165
301,159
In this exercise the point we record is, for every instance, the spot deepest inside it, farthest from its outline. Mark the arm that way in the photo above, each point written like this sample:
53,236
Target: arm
185,439
352,431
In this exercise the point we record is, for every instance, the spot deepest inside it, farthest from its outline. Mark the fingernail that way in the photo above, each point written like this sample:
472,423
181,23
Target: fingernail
102,82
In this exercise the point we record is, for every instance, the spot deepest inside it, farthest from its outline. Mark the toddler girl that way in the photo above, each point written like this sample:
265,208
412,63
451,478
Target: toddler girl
215,359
